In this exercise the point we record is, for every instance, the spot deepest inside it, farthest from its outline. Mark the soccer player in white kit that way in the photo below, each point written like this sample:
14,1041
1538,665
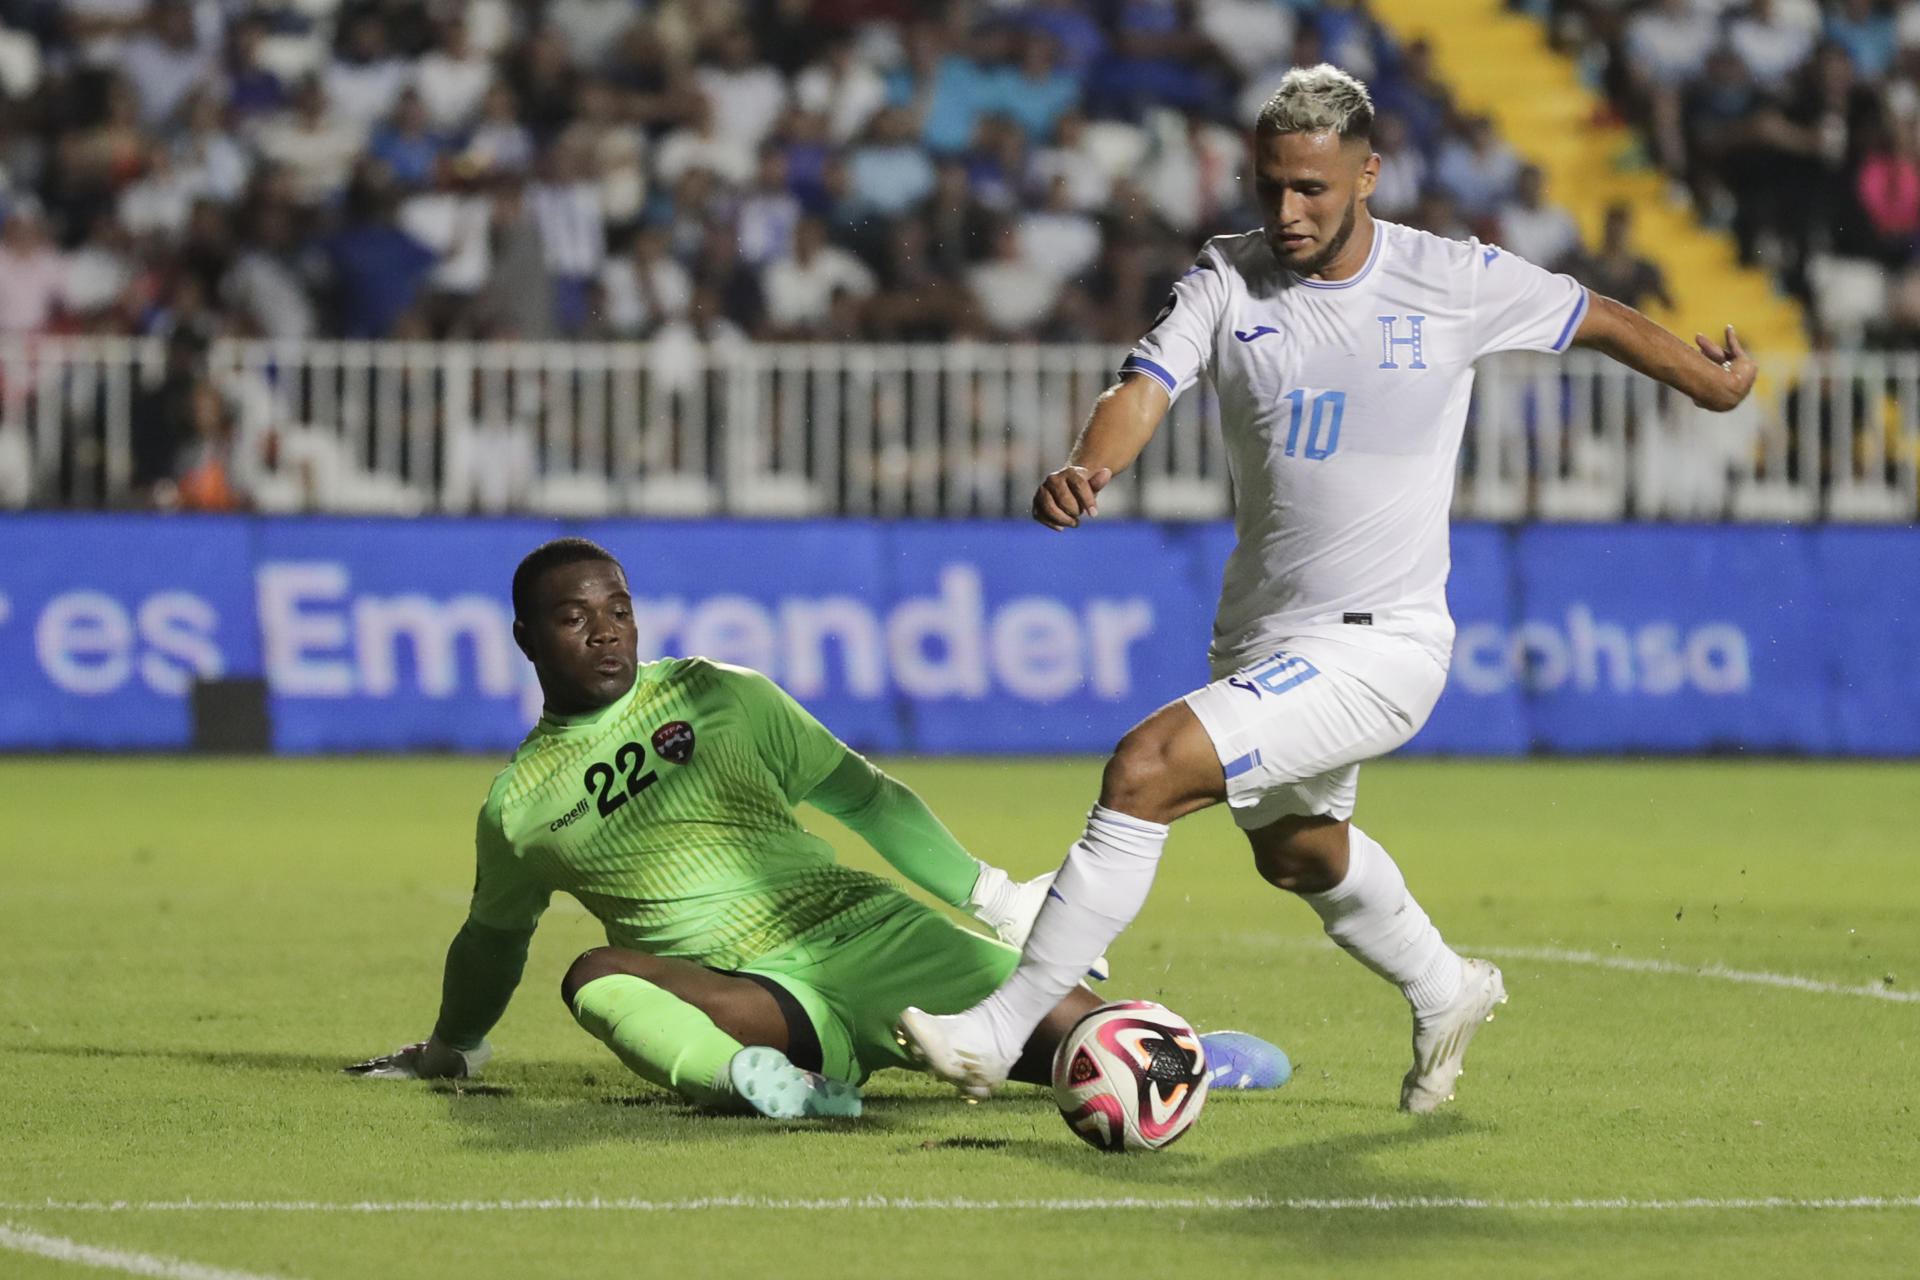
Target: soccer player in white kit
1342,352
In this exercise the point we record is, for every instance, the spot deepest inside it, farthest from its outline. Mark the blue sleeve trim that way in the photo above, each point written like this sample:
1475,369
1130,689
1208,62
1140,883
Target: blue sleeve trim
1573,322
1147,366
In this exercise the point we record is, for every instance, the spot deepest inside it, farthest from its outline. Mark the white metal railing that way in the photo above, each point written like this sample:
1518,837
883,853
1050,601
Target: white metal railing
676,427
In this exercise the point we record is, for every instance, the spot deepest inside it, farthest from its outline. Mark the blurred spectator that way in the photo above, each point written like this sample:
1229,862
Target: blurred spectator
1887,186
1038,92
769,213
1616,270
100,275
644,287
166,63
1542,233
566,204
1796,187
1667,45
800,289
960,227
1479,171
453,78
1014,295
1251,34
156,206
736,286
1069,157
1076,33
264,287
207,479
916,302
1771,44
407,144
591,28
1435,212
1057,237
1403,170
889,173
315,148
1715,125
162,422
1866,33
33,272
843,88
377,269
454,219
746,94
216,163
363,83
254,91
543,76
499,142
519,301
612,149
700,144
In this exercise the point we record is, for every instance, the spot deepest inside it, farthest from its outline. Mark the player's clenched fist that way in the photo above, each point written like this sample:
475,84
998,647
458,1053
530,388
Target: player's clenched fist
1068,494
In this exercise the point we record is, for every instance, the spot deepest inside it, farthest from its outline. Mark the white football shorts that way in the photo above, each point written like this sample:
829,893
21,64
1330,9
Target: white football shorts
1292,729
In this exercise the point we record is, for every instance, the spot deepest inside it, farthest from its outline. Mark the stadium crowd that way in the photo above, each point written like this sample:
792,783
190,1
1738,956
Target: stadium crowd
824,169
1794,124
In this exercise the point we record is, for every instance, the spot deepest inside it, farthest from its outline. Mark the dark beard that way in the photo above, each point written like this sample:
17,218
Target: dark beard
1319,261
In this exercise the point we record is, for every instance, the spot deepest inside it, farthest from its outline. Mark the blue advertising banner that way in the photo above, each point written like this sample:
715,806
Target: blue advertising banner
942,637
1871,582
1667,638
106,623
384,635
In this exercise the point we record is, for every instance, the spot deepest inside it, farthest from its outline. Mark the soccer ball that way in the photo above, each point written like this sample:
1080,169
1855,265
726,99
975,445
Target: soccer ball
1130,1076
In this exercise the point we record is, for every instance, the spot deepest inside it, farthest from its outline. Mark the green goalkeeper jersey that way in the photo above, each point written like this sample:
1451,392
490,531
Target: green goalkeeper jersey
669,816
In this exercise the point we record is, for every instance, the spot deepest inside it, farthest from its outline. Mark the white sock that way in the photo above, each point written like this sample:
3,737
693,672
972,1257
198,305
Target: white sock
1100,889
1376,921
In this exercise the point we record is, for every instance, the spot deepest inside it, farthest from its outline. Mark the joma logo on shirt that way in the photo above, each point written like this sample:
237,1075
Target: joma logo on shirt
570,817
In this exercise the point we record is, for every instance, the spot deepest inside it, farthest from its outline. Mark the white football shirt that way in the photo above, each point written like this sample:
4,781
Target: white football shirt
1342,404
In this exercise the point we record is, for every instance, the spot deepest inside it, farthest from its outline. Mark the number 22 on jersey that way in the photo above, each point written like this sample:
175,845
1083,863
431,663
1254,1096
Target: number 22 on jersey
1321,416
601,776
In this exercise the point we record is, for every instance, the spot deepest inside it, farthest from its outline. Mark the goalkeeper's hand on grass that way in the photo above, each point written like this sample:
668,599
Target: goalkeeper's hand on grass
428,1060
1009,907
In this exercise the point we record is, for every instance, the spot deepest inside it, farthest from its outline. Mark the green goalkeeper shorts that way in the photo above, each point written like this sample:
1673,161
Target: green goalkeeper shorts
854,986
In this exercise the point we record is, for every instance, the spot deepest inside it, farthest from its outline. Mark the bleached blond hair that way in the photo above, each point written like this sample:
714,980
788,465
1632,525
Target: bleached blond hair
1319,100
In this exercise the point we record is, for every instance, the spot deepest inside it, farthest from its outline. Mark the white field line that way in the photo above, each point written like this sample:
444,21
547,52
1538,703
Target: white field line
957,1204
61,1249
1719,972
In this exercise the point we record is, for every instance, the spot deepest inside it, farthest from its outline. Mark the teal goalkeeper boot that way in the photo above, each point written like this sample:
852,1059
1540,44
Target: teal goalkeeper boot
776,1088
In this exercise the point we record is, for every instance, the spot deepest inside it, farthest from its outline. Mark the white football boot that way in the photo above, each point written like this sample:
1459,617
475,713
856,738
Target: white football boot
1440,1039
935,1041
774,1087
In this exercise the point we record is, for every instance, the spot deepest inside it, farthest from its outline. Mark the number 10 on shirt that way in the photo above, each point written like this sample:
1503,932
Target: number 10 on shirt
1323,425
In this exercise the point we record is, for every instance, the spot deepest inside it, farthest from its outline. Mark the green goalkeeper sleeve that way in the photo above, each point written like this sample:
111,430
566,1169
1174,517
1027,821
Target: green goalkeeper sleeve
483,968
889,816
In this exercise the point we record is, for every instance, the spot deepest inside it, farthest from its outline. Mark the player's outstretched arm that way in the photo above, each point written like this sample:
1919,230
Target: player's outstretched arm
482,971
888,815
1123,420
1713,376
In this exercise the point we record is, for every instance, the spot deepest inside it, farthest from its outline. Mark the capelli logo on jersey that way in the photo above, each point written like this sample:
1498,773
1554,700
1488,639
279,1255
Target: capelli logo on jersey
570,817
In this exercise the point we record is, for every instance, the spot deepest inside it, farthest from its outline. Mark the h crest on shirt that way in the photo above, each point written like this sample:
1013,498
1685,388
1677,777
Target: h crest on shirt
1391,340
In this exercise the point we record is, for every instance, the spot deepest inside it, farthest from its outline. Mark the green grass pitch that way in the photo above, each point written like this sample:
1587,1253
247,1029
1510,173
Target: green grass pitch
189,950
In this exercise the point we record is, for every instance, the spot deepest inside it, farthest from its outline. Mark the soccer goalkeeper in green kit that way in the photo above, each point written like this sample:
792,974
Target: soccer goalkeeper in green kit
745,969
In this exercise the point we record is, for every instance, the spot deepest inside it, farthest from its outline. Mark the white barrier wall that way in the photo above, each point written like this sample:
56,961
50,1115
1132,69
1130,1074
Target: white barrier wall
674,428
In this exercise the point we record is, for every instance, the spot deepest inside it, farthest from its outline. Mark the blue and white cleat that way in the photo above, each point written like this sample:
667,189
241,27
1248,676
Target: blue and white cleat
1237,1060
774,1087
